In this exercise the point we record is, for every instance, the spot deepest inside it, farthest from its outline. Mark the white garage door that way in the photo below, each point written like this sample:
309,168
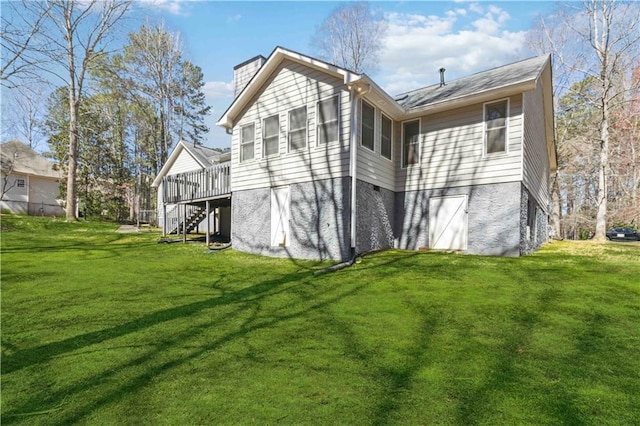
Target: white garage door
448,223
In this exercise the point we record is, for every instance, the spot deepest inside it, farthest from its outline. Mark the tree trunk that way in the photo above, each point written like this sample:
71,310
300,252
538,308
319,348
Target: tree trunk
601,216
74,103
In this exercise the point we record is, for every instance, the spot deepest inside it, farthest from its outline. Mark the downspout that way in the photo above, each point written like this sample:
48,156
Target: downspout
357,91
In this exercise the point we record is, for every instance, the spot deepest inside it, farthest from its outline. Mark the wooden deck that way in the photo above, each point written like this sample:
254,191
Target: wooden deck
196,186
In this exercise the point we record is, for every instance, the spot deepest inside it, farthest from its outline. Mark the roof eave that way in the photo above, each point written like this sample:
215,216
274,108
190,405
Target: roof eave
171,160
473,98
278,55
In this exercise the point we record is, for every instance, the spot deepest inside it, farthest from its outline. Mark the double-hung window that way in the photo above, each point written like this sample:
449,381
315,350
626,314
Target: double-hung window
247,141
495,134
298,128
270,135
21,183
327,130
367,126
385,137
410,142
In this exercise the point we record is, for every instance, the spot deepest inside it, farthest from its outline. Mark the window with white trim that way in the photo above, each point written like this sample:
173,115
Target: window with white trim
298,128
385,136
410,143
270,135
367,125
21,183
247,141
495,134
328,127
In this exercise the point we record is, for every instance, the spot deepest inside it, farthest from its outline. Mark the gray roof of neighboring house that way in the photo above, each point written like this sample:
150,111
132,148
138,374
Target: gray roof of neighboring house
204,155
25,160
476,83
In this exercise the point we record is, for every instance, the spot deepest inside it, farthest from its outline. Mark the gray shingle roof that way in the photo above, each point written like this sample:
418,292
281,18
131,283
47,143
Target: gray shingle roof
26,160
503,76
205,155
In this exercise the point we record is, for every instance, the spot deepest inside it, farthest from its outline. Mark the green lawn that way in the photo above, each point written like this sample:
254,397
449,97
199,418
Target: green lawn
107,328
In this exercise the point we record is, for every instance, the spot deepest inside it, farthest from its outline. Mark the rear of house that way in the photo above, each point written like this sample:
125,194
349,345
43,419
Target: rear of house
325,164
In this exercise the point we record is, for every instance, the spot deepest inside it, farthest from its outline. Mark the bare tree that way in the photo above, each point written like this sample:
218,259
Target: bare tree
21,43
75,34
351,37
23,114
598,40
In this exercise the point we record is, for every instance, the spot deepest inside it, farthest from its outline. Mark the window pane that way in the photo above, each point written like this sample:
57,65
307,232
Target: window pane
496,140
271,146
298,128
270,135
385,147
367,128
298,118
328,120
247,136
247,152
248,133
271,126
328,110
496,115
411,143
298,139
328,132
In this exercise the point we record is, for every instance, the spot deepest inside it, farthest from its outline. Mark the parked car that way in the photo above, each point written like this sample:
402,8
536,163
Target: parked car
623,234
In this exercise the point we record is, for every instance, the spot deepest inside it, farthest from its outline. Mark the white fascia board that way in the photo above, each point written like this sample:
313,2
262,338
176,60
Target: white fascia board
263,74
170,161
385,101
474,98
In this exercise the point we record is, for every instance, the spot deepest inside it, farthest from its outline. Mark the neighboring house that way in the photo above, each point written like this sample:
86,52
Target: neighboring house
181,208
325,164
30,184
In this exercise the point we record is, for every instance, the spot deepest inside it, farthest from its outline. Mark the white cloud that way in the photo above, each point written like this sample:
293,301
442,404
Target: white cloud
417,46
175,7
215,90
234,18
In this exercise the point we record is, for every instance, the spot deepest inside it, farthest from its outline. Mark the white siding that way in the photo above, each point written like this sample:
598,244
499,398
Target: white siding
535,161
184,163
43,190
372,166
291,86
13,192
451,151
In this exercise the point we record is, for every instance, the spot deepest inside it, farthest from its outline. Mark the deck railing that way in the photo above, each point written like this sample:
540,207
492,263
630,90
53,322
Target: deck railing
198,185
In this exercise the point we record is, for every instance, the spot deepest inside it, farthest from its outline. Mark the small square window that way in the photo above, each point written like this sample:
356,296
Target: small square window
21,183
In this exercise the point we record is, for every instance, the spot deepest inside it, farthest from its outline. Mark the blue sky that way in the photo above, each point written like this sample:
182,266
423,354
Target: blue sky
464,37
423,36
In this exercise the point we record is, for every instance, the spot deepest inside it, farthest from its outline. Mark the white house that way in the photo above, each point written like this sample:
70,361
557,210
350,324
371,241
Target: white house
30,184
325,164
180,209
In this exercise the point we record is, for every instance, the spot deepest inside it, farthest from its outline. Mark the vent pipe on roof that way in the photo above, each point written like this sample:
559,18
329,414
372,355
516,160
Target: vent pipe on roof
442,70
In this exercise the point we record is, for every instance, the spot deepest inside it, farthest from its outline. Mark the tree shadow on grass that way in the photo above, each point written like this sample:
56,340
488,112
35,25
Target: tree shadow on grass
249,298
